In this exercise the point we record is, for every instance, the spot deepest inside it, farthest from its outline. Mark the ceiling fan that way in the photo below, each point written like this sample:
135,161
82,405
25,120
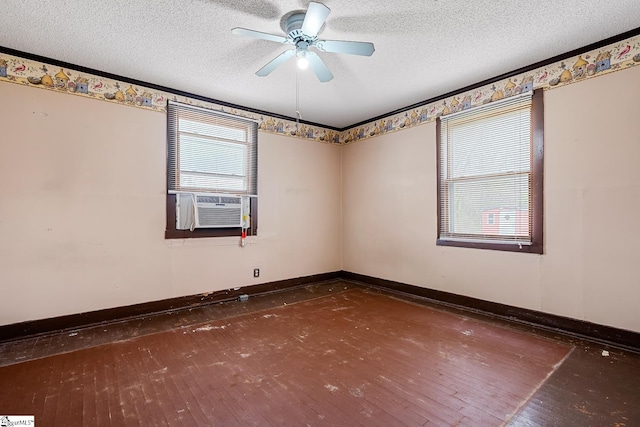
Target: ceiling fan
302,30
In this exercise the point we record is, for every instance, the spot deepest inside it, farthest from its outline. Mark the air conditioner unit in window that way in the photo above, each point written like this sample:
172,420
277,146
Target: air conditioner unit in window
203,210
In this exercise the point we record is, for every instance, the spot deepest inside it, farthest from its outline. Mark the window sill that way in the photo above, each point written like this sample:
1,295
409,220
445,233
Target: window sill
533,248
204,232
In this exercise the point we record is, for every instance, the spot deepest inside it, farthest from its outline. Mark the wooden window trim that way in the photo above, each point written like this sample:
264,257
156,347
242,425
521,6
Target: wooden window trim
537,151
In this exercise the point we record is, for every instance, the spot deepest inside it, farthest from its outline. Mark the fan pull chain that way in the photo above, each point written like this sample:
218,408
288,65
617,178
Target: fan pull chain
298,115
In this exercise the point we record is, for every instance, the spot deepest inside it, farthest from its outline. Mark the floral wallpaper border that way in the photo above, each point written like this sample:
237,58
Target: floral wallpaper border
35,74
614,57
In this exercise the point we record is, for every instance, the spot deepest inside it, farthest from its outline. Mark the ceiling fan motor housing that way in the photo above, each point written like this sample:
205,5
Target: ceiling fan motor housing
292,25
293,21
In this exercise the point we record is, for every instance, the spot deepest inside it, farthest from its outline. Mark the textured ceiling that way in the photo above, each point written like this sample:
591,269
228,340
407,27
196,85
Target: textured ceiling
423,49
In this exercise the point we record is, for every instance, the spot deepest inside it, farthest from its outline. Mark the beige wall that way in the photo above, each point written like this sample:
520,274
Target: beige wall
590,269
82,211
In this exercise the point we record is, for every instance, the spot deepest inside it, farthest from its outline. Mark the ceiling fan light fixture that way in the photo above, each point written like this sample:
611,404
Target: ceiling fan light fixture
301,54
303,63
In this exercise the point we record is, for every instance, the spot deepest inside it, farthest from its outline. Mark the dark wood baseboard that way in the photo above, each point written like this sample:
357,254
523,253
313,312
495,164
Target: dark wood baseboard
607,335
573,327
74,321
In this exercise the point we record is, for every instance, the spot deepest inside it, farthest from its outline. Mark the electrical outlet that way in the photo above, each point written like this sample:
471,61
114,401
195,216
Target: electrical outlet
256,272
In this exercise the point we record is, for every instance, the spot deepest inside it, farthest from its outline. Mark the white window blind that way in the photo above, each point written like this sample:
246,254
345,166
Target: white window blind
209,151
486,173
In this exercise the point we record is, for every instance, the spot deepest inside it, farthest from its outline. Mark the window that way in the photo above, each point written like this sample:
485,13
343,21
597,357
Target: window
209,152
490,161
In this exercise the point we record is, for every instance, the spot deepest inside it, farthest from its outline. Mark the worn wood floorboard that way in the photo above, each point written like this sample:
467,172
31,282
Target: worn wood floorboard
588,389
350,358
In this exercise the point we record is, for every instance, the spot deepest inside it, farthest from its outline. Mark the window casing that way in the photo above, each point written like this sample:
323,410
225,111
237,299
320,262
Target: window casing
210,152
490,176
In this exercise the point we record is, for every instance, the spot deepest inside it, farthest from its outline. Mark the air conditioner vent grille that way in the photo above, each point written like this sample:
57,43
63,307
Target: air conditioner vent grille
219,217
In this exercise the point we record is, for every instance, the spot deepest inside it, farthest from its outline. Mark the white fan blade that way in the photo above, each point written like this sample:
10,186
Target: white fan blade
314,19
258,35
280,59
321,70
343,46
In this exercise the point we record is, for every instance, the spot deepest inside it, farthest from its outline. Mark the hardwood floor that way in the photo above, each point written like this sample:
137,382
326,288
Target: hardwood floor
328,354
